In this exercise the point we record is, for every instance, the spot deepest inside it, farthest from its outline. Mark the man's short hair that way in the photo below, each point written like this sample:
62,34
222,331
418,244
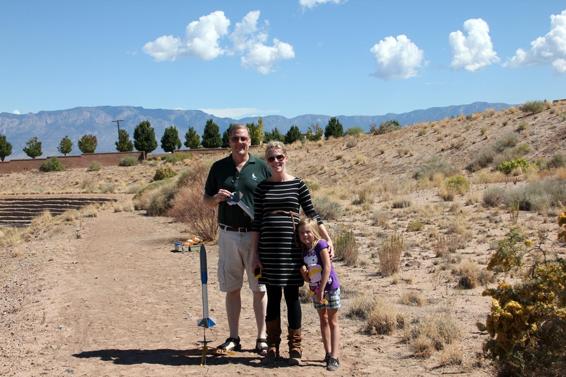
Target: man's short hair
238,126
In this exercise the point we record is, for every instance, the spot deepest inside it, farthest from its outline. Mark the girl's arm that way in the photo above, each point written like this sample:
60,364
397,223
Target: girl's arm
326,266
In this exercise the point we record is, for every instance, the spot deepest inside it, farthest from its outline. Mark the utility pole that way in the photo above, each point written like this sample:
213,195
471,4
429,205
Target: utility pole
118,124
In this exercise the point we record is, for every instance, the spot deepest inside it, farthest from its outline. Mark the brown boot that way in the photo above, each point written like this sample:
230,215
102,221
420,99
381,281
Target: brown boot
295,349
273,340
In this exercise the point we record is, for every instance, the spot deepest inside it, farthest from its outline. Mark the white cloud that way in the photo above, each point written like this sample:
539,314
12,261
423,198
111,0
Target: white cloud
166,47
397,58
249,40
262,57
235,112
314,3
548,49
201,40
473,50
246,32
17,112
203,35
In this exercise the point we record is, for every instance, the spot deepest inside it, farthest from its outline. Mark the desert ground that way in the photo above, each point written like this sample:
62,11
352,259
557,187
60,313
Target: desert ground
99,292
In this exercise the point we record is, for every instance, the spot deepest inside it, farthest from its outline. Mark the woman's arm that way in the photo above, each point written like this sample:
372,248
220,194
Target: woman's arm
326,236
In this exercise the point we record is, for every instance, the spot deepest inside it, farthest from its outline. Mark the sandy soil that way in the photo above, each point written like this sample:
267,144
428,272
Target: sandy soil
117,302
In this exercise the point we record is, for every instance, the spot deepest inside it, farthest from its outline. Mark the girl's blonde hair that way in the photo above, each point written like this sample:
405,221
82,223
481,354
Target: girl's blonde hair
313,225
275,145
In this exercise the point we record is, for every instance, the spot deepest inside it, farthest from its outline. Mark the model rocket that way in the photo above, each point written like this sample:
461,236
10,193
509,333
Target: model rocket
206,321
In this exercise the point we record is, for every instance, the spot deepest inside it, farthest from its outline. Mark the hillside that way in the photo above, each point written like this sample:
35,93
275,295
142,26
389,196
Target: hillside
51,126
106,295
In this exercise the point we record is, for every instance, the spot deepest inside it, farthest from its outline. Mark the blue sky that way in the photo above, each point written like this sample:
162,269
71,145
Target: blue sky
285,57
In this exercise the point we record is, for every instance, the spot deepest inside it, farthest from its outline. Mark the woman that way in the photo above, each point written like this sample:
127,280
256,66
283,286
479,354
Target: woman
277,203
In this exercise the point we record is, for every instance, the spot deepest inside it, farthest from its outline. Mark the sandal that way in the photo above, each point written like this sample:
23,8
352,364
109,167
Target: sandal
261,346
231,344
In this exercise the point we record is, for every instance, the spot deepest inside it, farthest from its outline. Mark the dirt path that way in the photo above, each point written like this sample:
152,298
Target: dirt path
118,302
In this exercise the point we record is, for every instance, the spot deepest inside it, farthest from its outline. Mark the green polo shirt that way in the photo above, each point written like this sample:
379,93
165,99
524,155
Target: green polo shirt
224,175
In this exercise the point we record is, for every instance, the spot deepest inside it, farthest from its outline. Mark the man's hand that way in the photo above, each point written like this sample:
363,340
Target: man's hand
222,196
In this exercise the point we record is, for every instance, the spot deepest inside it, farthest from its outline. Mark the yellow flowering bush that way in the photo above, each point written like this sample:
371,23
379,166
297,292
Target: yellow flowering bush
527,321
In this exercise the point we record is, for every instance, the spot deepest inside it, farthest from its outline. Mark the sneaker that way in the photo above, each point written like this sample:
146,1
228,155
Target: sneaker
326,358
231,344
261,346
332,364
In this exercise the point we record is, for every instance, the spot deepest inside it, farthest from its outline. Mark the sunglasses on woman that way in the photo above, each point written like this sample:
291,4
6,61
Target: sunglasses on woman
278,157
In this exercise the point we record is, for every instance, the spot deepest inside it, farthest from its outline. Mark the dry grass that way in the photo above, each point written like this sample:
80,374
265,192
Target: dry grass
452,354
390,254
432,333
346,247
186,204
383,319
412,298
361,307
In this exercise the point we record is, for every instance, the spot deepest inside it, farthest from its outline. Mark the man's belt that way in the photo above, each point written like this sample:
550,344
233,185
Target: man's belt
234,228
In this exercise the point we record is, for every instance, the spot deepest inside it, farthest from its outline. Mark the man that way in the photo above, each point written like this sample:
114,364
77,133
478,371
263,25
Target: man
230,186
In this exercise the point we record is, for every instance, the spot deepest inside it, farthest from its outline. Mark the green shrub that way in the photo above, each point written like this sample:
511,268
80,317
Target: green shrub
177,156
507,167
506,141
434,166
326,208
494,197
53,164
415,226
452,186
533,107
164,172
482,159
355,131
94,166
128,161
556,161
346,247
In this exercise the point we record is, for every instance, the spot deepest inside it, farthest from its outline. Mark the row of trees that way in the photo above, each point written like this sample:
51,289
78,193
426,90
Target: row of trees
145,140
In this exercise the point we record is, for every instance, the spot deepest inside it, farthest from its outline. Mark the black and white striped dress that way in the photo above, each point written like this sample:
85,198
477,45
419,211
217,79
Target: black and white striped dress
280,256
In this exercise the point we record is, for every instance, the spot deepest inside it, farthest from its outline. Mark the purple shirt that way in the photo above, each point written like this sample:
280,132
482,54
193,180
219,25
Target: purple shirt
313,261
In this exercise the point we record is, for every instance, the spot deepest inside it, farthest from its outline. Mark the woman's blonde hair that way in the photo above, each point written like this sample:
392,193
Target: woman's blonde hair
313,225
275,145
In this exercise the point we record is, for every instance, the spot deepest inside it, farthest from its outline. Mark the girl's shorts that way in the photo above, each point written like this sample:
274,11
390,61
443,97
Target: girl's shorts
333,298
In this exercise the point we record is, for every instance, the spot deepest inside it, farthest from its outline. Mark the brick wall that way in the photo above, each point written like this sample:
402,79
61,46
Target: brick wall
84,160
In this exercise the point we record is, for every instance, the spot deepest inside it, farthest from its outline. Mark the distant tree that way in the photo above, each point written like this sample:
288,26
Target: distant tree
5,148
274,135
387,126
333,128
170,140
124,144
192,138
293,135
65,146
314,132
33,147
256,132
226,138
211,135
87,143
144,138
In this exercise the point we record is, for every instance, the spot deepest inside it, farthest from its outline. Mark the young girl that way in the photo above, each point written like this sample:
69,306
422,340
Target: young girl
323,282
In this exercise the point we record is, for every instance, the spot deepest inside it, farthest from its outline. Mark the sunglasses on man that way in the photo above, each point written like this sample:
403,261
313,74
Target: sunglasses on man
278,157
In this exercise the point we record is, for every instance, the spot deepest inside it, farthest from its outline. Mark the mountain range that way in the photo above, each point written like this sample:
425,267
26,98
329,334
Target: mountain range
51,126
